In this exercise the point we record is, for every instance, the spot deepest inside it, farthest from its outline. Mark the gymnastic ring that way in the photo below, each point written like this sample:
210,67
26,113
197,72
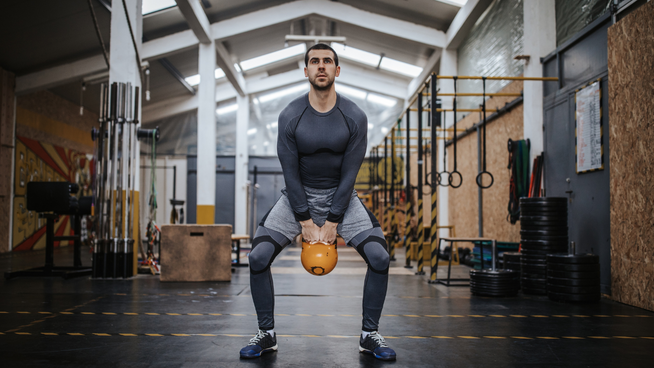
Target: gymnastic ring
450,179
479,176
441,180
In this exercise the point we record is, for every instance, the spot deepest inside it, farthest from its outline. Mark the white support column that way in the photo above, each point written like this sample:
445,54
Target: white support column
206,182
241,165
448,66
539,40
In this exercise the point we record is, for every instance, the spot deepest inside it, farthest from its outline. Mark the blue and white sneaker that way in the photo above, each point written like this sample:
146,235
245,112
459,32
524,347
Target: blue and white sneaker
263,342
375,344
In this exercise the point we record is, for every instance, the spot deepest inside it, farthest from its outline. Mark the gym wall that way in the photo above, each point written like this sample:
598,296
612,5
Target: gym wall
631,71
53,143
490,48
463,201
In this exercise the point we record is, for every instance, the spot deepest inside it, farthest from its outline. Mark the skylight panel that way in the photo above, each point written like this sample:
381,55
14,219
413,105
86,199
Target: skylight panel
252,131
352,53
381,100
193,80
284,92
274,56
227,109
352,92
400,67
218,73
151,6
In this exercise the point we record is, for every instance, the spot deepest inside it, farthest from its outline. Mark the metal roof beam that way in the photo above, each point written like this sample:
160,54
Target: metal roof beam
352,75
462,23
196,19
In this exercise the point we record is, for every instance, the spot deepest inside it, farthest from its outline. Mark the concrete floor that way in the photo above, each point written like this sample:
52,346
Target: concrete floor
141,322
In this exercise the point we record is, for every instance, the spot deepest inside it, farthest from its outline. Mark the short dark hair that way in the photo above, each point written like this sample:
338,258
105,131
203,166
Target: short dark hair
319,46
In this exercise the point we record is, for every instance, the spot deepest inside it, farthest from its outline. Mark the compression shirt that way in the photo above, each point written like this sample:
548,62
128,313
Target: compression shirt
321,150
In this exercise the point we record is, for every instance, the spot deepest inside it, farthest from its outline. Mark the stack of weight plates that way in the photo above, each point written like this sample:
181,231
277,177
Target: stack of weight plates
494,283
573,278
543,231
512,260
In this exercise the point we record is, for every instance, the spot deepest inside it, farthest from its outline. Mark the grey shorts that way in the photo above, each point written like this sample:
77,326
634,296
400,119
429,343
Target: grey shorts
282,219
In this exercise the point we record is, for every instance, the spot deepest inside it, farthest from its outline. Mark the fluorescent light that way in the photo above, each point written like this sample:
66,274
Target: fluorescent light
400,67
381,100
218,73
272,125
252,131
284,92
384,130
351,53
352,92
151,6
193,80
274,56
226,109
371,125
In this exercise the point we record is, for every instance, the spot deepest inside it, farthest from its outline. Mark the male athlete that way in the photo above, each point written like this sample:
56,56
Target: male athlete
321,145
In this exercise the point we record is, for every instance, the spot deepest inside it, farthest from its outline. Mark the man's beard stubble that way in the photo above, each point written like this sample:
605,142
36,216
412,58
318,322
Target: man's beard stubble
321,88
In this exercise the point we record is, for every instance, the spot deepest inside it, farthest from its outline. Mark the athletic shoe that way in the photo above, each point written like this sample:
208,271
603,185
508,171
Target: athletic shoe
261,343
375,344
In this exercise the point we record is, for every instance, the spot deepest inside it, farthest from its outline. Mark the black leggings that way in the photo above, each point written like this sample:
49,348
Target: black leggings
370,244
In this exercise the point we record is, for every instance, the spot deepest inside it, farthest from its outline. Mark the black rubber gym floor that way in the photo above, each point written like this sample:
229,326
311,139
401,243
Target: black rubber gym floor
141,322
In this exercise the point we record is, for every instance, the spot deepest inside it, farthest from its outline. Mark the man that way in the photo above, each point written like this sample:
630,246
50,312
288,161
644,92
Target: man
321,145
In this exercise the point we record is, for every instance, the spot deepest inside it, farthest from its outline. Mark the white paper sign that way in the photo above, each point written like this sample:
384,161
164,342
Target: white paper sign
589,129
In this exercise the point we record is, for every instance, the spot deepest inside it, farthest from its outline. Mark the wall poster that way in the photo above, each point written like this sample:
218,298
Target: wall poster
589,147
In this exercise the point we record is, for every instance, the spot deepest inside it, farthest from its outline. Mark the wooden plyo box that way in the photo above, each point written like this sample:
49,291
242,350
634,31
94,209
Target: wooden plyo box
196,253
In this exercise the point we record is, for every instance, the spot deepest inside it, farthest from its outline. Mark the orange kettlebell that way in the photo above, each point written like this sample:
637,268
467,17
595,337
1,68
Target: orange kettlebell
319,258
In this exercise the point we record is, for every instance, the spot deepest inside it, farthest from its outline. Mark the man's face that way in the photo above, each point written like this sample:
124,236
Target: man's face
322,69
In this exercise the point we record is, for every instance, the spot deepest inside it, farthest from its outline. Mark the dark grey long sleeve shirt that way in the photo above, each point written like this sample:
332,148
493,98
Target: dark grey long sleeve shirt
321,150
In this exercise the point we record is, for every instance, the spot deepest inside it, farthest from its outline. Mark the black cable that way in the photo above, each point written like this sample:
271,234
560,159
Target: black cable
136,49
97,32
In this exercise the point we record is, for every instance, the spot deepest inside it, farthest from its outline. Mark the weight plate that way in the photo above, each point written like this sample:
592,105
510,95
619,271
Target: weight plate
574,289
571,282
491,273
552,248
513,285
540,252
561,213
533,276
574,275
547,228
538,233
556,239
534,291
543,223
573,259
537,279
544,208
502,295
573,267
574,297
512,254
495,289
543,200
543,219
533,267
495,281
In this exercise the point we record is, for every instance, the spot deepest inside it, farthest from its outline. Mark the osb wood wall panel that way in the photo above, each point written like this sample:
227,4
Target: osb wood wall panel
463,201
631,137
7,87
46,117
